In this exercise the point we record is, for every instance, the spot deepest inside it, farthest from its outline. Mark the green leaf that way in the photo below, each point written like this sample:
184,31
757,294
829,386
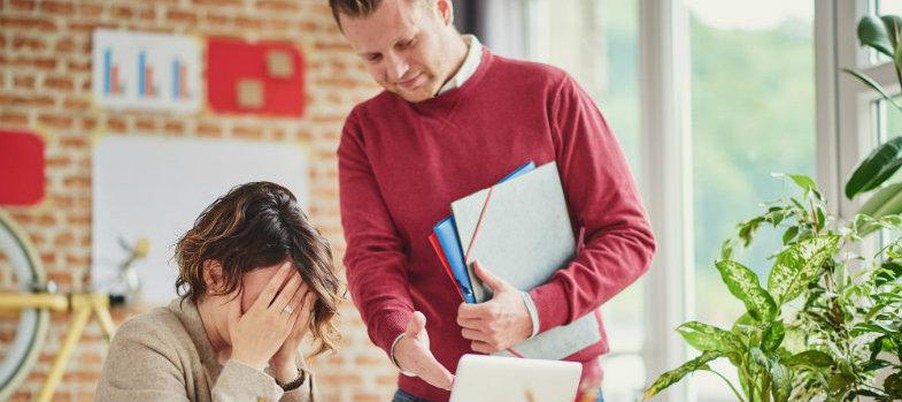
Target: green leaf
875,365
875,86
672,377
773,336
887,201
893,385
876,168
708,338
743,283
810,358
804,182
893,24
872,32
782,381
890,271
790,234
839,382
897,58
798,265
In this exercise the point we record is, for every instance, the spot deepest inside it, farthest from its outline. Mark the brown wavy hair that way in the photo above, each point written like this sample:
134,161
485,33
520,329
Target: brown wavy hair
256,225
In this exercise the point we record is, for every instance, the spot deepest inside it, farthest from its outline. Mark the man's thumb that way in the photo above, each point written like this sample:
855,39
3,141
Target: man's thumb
416,325
493,282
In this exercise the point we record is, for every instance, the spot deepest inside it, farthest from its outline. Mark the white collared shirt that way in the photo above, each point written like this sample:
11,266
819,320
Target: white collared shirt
466,70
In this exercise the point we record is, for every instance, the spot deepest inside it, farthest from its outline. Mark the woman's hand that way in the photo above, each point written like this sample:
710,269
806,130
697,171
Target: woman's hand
284,362
262,329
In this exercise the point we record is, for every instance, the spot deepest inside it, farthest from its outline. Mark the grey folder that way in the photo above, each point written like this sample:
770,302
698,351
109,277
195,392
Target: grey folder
524,239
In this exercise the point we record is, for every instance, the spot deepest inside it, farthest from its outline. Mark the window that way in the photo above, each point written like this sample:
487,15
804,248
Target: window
597,43
752,102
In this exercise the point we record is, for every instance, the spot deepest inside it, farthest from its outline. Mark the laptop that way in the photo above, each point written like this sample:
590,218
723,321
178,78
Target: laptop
482,378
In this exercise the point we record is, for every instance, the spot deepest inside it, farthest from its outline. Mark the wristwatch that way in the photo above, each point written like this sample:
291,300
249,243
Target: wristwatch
294,384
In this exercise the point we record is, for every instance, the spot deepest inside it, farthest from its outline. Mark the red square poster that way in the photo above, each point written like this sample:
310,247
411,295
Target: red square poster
256,78
21,168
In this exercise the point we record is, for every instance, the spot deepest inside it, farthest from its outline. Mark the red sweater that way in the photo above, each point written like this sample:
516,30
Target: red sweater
401,165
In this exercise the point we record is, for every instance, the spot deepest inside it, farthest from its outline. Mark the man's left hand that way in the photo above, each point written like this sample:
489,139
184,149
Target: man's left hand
499,323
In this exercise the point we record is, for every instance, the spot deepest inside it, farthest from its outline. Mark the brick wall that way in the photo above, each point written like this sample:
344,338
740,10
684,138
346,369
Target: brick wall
45,85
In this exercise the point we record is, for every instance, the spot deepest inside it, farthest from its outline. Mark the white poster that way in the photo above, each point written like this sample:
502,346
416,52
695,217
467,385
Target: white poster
137,70
154,188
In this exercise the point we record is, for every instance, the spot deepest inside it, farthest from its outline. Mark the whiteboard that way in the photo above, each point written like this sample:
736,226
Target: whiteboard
156,187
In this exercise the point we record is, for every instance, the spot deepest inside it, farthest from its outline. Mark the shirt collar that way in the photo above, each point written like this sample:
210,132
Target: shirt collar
466,70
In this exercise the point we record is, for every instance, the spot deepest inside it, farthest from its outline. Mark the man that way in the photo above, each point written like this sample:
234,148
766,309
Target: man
453,119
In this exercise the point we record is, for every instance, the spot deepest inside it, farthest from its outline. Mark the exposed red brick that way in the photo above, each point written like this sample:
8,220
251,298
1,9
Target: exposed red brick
122,11
212,18
147,14
116,124
55,121
63,239
76,104
218,3
27,5
90,10
332,47
181,17
24,23
81,376
22,43
174,126
87,123
79,66
77,182
278,5
32,100
58,83
57,7
209,130
43,63
248,132
64,45
146,124
13,119
72,142
249,23
24,81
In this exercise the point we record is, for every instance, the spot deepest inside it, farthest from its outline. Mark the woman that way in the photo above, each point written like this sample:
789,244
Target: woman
254,277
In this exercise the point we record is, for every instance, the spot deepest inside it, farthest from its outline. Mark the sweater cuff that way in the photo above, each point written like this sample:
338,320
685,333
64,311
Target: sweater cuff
238,381
551,303
390,327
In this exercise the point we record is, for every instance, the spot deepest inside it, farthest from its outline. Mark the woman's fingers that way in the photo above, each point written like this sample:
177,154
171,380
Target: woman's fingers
271,290
282,302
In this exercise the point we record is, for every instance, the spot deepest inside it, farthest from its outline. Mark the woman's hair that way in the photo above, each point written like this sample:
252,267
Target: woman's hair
257,225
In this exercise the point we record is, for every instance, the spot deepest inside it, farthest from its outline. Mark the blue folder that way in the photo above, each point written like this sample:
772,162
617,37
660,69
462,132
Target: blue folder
446,232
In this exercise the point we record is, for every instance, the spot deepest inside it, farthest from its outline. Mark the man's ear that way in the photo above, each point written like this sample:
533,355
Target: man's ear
445,10
213,275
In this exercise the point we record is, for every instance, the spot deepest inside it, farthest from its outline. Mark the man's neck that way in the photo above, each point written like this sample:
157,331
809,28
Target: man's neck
459,50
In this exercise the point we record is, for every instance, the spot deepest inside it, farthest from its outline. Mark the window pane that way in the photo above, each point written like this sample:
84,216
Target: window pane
752,90
597,43
893,7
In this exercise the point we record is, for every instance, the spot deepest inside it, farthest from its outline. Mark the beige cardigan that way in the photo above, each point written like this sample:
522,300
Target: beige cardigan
165,355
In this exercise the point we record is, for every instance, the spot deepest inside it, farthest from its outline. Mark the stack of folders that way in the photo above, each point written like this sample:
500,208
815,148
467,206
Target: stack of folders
519,229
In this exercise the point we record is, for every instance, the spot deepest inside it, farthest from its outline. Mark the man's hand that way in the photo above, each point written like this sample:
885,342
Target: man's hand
412,354
496,324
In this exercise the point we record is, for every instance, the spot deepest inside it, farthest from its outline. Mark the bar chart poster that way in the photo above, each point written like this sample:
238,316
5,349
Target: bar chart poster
139,70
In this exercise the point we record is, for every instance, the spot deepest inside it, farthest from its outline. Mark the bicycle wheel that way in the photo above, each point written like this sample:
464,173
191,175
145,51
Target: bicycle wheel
22,332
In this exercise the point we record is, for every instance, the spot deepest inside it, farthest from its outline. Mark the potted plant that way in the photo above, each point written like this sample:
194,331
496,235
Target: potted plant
827,324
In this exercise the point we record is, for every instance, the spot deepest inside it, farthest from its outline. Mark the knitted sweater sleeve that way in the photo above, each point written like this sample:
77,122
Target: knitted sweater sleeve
375,256
603,200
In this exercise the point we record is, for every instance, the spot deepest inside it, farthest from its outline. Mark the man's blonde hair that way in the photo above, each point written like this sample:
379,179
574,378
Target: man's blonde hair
360,8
